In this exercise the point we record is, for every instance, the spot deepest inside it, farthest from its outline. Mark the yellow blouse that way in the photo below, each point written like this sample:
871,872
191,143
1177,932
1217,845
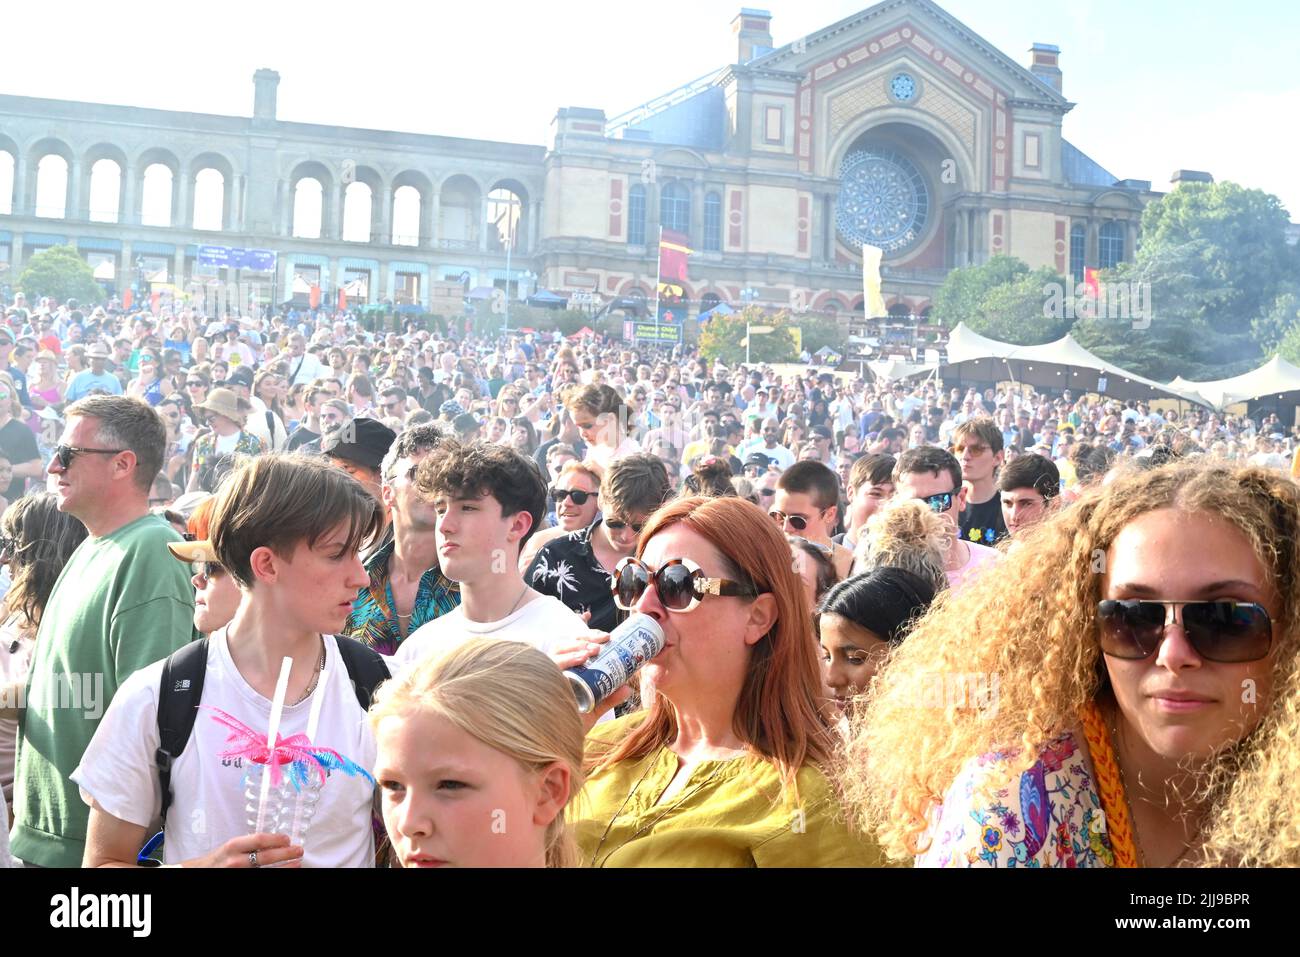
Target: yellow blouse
728,814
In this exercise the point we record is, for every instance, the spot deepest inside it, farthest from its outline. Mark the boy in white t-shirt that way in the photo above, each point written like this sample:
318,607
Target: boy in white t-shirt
489,500
288,530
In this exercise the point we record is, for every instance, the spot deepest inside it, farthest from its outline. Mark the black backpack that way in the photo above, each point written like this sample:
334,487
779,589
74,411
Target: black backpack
181,690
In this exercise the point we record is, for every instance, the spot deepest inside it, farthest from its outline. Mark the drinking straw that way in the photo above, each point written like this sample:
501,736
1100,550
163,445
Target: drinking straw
313,720
272,732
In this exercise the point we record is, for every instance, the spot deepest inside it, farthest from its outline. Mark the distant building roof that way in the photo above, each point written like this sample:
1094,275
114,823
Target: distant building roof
1081,169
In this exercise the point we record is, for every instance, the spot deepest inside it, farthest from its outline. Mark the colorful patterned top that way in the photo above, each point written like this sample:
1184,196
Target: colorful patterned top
1050,817
374,619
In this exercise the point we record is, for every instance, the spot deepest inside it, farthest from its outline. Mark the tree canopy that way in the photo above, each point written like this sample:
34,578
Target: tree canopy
60,272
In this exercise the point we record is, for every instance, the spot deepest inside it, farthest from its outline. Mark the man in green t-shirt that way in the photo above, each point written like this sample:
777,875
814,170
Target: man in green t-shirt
120,603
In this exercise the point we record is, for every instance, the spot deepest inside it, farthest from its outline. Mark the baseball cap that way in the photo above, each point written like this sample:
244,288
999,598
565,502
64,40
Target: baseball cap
757,460
823,432
200,549
242,375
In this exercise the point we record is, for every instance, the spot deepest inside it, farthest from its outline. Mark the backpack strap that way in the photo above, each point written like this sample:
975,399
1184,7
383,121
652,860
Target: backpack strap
178,700
366,668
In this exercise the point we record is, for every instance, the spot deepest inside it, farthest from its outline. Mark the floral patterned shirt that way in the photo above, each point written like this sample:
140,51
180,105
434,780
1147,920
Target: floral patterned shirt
1050,816
374,621
567,567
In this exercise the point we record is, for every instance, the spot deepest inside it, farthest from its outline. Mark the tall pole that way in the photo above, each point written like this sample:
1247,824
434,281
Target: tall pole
505,330
659,252
747,334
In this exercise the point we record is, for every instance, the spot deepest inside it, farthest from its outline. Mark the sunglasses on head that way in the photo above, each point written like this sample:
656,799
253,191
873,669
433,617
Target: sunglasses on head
579,497
8,546
1223,631
679,583
66,453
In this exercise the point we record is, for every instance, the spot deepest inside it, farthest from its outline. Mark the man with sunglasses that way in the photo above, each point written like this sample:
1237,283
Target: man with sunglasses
933,476
120,603
488,499
576,568
807,505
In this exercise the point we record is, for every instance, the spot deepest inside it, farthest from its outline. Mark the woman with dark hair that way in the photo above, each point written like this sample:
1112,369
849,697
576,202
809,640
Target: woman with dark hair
860,619
815,565
726,767
523,437
710,477
35,542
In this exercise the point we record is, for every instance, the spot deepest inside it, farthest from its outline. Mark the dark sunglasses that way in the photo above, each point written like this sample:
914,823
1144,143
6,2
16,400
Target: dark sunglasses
194,383
207,571
679,583
797,522
940,502
767,492
66,453
1223,631
616,526
579,497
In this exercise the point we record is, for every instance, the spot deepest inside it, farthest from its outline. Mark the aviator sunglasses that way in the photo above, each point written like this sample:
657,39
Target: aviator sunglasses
1224,631
679,583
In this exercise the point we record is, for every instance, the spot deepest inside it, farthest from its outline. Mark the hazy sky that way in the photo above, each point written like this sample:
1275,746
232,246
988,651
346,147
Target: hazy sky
1160,85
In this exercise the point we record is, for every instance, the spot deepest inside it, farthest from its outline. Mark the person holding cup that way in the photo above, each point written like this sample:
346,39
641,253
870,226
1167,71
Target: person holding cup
727,765
288,530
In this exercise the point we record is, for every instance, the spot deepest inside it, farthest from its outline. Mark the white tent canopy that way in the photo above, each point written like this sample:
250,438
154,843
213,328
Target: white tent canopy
1063,364
1276,377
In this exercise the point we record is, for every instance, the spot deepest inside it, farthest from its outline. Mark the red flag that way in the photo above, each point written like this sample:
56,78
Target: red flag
314,297
154,298
343,300
672,256
128,297
1091,281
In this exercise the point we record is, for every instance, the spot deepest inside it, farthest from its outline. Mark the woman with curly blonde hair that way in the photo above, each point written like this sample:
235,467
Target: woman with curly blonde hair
1123,692
907,534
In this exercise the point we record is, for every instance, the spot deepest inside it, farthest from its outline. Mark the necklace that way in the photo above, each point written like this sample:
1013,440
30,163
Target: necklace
315,678
645,827
1131,801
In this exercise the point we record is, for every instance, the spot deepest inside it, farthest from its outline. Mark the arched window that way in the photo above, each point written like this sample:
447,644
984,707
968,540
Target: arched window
6,182
1110,249
105,191
1078,246
713,223
675,208
504,211
406,216
156,196
357,206
307,194
52,186
209,199
708,301
636,215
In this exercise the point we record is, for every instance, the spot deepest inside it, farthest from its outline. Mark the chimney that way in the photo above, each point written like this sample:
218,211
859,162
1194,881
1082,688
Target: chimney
753,30
264,85
1190,176
1045,64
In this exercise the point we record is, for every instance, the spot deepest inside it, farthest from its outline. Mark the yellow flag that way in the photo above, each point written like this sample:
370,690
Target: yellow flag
874,303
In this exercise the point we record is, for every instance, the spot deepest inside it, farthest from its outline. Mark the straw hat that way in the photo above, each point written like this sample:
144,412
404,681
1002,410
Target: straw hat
225,402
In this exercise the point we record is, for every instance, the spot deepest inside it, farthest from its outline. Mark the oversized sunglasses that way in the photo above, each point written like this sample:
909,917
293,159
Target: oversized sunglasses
579,497
1223,631
940,502
679,583
66,453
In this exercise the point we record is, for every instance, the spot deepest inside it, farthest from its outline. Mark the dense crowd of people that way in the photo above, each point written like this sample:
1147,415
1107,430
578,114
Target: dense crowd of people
336,575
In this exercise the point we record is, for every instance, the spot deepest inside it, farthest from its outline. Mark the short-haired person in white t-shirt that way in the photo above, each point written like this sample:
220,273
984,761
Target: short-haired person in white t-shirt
288,530
934,476
489,499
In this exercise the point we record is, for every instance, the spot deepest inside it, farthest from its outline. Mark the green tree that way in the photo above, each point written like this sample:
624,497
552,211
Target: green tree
819,330
1272,328
60,272
962,292
723,337
1216,252
1022,311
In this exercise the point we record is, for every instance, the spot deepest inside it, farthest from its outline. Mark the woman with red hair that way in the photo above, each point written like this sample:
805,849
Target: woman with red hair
725,767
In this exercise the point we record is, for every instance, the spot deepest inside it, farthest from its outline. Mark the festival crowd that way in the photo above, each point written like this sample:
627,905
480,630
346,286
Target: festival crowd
287,591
